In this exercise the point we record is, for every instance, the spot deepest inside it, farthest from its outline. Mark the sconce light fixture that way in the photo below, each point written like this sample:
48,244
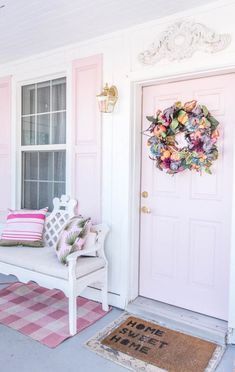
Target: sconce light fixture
107,98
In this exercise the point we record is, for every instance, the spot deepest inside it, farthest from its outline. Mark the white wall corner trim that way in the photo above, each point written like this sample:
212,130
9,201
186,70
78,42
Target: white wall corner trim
181,40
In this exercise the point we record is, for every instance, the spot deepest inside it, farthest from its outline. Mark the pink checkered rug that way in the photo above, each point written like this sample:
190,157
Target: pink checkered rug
42,313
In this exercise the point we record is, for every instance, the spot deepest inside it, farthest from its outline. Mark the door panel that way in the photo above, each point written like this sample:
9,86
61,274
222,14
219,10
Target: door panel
185,240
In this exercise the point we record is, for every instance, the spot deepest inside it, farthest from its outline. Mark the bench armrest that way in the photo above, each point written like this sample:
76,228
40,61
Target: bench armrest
73,256
101,232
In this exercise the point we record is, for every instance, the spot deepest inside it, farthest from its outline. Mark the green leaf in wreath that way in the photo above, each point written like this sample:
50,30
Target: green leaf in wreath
163,134
207,123
207,170
182,155
174,124
205,110
215,154
182,117
213,121
151,118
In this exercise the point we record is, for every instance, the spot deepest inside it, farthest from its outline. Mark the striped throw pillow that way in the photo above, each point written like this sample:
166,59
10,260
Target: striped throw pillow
24,227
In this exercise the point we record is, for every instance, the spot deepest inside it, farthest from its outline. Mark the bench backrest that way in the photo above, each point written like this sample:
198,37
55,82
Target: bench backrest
64,209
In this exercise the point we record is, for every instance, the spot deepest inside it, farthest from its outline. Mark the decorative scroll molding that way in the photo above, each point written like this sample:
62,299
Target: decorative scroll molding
181,40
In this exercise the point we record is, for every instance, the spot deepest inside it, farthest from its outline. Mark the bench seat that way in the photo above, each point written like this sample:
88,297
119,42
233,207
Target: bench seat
44,260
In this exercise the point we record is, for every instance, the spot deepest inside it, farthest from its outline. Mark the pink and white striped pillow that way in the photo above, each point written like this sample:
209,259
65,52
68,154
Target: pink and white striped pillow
24,227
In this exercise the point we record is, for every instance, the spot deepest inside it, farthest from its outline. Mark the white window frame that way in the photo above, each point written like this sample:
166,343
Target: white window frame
51,147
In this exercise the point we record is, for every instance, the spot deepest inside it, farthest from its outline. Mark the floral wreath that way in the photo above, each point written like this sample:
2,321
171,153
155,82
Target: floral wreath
183,136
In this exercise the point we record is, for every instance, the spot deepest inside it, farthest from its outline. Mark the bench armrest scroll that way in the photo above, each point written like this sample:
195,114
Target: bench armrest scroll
73,256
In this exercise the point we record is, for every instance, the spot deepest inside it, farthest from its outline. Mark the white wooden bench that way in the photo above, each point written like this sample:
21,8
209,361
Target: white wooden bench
42,266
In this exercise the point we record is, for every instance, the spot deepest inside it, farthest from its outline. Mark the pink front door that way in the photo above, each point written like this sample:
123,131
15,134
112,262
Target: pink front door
185,240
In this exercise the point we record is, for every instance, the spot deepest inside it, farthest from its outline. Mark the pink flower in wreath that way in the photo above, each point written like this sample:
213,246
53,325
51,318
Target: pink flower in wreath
215,135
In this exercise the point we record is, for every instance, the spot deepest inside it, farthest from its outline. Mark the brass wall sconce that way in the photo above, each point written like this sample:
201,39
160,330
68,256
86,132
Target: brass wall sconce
107,98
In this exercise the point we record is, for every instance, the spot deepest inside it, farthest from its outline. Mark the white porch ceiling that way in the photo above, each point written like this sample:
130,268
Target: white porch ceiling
33,26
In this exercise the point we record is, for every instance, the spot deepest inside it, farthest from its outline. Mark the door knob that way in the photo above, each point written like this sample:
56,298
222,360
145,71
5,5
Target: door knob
145,209
144,194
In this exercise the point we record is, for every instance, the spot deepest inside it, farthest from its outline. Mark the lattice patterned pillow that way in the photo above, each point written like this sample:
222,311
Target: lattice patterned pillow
24,227
73,237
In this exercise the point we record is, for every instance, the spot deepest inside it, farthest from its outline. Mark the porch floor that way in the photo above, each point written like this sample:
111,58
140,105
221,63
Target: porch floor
20,353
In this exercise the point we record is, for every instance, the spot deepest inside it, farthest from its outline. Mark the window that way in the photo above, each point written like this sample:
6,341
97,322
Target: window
43,142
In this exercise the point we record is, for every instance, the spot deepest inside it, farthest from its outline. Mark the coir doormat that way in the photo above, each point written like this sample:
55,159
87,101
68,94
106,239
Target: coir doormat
141,345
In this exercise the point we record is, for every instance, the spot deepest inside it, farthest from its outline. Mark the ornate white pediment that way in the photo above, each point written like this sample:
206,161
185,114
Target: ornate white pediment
181,40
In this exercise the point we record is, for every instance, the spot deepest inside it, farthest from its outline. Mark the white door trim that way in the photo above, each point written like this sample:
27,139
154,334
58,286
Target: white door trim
136,86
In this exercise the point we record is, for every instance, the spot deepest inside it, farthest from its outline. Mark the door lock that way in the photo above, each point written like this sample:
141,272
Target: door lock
145,209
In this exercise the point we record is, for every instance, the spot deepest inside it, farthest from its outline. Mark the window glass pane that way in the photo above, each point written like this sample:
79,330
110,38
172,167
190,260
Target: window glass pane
46,195
28,130
46,170
59,166
43,178
43,97
59,128
59,94
43,122
30,195
59,189
43,129
28,99
30,161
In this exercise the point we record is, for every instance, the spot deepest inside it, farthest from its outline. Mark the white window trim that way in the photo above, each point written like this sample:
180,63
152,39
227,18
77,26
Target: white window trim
18,148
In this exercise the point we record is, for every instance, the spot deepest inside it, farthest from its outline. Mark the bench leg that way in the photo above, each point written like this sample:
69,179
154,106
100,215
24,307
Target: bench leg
104,293
72,313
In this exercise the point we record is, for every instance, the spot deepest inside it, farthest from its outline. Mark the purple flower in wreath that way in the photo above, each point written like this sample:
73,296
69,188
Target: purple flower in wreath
197,111
152,140
168,114
207,143
192,124
156,149
166,163
194,144
175,165
199,146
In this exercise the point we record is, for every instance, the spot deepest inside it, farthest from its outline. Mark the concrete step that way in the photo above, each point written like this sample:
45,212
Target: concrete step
179,319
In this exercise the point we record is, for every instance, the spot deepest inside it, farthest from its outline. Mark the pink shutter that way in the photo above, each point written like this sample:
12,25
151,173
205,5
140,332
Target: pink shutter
5,145
87,75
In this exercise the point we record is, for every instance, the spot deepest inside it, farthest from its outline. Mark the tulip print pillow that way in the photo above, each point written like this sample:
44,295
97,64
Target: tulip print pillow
72,237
